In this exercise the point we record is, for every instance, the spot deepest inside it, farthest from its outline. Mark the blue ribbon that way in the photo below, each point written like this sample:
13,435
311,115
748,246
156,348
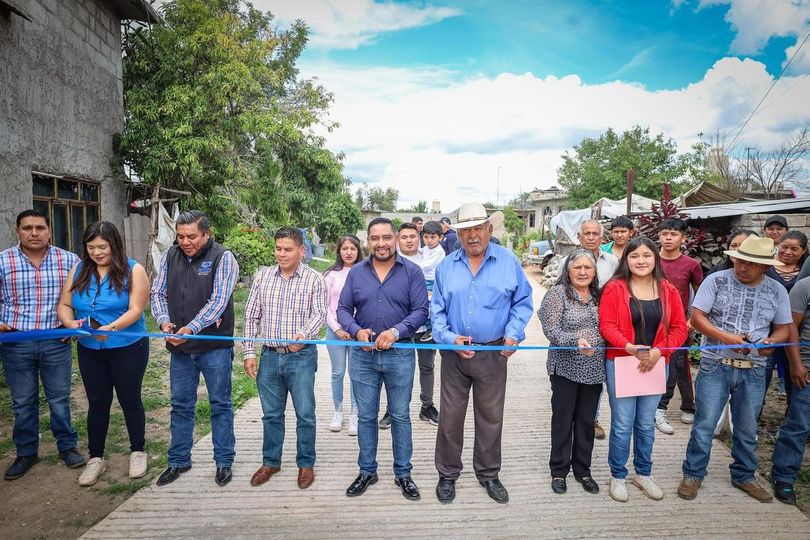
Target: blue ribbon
63,333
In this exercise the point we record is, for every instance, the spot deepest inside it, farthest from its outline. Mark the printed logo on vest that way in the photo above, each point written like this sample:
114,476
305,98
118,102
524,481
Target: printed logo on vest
205,268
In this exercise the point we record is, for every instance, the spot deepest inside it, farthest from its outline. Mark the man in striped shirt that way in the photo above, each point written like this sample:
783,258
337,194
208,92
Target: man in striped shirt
286,302
32,274
193,294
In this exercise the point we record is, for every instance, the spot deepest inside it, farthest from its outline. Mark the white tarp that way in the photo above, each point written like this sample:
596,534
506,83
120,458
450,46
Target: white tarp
612,209
569,221
166,233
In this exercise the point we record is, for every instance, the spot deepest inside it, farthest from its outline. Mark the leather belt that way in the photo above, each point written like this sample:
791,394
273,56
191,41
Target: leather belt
493,343
737,363
278,350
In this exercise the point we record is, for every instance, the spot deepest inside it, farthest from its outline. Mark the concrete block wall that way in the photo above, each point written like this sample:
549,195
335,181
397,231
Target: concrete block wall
60,102
800,222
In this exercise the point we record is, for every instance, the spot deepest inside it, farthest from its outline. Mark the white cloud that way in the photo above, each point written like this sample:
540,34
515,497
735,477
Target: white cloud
756,21
348,24
435,135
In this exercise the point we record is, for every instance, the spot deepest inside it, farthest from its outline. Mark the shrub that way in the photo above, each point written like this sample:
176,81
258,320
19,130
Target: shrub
251,249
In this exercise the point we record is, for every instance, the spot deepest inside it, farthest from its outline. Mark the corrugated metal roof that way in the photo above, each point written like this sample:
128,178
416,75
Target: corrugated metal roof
137,10
747,207
706,193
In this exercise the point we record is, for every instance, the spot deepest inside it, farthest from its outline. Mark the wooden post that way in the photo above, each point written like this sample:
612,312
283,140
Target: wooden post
151,265
631,176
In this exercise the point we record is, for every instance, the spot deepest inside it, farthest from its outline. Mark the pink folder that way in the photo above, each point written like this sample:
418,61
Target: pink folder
630,382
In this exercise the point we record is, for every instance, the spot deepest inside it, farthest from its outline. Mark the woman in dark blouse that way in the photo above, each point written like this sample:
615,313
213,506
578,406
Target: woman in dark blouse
570,318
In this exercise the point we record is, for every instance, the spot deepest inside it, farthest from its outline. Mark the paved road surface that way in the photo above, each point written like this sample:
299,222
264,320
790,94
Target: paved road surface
194,507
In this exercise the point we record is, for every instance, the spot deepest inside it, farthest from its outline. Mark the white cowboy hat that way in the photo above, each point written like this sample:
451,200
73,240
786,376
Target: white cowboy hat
470,215
755,250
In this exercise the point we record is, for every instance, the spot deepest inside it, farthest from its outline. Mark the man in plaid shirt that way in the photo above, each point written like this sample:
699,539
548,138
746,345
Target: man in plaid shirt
286,302
32,274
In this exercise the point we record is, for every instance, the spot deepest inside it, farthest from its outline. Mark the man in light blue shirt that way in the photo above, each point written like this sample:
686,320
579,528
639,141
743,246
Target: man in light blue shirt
482,297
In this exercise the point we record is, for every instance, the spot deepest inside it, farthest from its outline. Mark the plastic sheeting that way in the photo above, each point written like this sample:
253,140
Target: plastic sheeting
166,233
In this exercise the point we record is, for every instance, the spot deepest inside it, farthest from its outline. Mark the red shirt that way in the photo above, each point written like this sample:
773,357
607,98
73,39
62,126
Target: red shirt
616,323
683,272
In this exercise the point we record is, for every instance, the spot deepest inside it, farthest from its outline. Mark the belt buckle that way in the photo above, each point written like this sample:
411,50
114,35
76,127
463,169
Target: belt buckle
281,350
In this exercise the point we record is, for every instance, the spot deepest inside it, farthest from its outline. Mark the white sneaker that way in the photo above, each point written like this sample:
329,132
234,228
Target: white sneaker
92,471
688,418
337,421
353,425
137,464
618,490
650,488
662,423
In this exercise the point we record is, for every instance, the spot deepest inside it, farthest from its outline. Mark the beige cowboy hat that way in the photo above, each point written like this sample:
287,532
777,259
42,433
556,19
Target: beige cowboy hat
470,215
755,250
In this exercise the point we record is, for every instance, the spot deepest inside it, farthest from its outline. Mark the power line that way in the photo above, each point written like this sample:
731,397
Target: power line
731,144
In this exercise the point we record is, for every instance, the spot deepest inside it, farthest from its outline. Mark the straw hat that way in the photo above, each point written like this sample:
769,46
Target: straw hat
470,215
755,250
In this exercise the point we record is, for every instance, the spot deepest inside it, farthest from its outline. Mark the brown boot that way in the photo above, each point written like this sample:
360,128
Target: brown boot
598,431
306,475
263,475
689,488
753,489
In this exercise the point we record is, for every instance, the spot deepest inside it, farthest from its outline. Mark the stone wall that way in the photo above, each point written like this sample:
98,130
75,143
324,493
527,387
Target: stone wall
756,222
60,102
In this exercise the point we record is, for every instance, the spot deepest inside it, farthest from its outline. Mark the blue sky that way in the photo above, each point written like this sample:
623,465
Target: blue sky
645,42
434,97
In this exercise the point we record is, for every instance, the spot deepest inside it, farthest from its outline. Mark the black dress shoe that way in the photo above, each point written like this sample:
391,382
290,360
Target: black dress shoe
171,474
446,490
589,484
409,489
495,490
20,466
223,476
558,486
360,484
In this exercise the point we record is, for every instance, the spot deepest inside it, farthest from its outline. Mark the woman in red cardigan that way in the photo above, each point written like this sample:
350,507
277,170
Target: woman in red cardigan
641,313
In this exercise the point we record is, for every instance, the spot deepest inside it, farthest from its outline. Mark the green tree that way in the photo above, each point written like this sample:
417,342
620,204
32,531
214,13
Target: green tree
597,167
513,222
214,106
419,208
377,198
341,216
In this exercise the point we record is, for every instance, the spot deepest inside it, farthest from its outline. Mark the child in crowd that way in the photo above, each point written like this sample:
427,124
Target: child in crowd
622,229
432,254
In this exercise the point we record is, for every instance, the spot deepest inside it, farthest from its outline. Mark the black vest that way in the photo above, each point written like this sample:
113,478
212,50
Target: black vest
189,285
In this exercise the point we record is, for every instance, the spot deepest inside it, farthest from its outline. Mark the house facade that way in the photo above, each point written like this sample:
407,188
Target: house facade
61,104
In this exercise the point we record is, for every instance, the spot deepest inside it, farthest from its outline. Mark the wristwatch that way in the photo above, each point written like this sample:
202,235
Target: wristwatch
395,332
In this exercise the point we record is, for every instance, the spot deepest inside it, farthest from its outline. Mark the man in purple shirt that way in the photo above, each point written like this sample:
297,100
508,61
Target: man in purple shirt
383,301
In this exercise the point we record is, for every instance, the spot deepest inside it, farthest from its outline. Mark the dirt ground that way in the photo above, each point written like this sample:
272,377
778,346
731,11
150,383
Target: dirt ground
49,503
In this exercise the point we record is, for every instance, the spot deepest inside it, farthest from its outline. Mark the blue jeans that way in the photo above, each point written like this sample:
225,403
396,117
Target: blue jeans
279,374
340,357
184,377
24,363
630,416
789,447
368,371
715,382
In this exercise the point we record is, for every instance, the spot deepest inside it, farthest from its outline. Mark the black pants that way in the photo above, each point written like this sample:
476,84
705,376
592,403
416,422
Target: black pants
122,369
680,375
573,408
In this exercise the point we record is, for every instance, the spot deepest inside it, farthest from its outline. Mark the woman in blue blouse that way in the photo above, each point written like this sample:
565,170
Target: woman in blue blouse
107,291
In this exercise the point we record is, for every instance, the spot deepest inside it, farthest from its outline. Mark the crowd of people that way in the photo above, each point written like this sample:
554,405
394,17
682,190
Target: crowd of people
435,282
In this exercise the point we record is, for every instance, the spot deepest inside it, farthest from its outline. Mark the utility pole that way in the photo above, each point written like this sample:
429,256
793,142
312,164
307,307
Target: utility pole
498,190
747,170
